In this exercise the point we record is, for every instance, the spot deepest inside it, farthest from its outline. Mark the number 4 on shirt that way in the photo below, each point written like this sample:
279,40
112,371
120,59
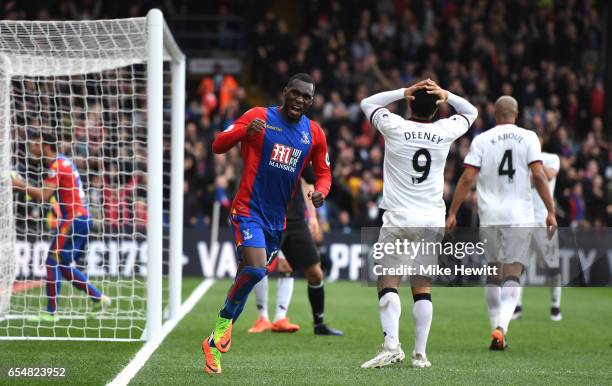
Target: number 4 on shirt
505,166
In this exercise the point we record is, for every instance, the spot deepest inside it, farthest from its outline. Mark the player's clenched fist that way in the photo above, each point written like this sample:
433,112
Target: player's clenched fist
317,199
256,126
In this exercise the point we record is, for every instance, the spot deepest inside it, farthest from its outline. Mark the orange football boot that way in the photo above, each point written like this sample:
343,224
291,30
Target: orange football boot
212,358
260,325
498,340
284,325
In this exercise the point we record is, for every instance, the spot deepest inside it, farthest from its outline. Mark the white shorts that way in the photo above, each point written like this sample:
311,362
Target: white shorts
545,252
420,231
507,243
401,219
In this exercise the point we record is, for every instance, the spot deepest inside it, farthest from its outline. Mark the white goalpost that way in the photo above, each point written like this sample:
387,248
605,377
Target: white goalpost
111,94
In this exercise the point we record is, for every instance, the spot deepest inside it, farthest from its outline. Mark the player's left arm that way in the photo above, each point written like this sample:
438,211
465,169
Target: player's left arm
313,222
374,106
321,166
540,180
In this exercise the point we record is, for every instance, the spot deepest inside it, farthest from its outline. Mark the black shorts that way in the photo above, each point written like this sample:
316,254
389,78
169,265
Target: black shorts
298,246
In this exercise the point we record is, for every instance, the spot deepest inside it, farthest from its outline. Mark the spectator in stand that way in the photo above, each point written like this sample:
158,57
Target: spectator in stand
550,60
217,91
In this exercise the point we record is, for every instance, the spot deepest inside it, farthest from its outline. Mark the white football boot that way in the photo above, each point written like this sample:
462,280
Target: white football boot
386,356
420,361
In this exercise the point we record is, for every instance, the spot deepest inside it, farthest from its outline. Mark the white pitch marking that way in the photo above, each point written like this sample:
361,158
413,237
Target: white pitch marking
143,355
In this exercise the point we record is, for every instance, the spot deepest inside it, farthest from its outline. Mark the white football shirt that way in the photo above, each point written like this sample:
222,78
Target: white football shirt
415,155
550,161
503,155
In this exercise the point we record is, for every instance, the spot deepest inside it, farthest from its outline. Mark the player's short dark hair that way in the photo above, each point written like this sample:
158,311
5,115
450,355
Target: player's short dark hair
423,105
46,137
301,76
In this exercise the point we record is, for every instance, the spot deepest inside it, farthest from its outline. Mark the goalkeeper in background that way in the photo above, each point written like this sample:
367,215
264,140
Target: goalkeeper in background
74,225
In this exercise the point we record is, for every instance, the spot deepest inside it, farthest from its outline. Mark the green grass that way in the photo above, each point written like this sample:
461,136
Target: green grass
86,363
576,350
125,319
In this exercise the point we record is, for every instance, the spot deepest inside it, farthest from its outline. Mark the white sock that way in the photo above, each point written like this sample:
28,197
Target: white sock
509,297
555,297
521,289
493,298
283,297
390,311
261,297
422,311
555,290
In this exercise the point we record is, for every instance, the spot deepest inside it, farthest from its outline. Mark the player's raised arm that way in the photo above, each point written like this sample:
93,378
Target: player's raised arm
465,109
373,104
250,123
320,164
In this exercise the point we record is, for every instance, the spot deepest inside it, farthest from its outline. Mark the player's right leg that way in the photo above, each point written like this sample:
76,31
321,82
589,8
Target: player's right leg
390,311
554,279
509,298
251,270
549,258
516,246
492,235
252,250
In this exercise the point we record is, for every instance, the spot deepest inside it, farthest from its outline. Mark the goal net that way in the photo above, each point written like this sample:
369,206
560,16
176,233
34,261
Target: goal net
89,111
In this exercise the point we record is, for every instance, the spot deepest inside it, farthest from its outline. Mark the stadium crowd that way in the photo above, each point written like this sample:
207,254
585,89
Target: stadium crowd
549,59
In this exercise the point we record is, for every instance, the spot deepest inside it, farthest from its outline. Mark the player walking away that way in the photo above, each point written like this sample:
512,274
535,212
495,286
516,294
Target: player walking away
301,252
501,159
415,155
276,144
69,243
545,250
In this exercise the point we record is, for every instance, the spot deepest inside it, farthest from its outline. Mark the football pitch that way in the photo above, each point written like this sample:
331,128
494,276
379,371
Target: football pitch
575,350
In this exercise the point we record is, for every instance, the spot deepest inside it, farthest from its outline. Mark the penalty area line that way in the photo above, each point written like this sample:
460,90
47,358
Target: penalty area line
143,355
